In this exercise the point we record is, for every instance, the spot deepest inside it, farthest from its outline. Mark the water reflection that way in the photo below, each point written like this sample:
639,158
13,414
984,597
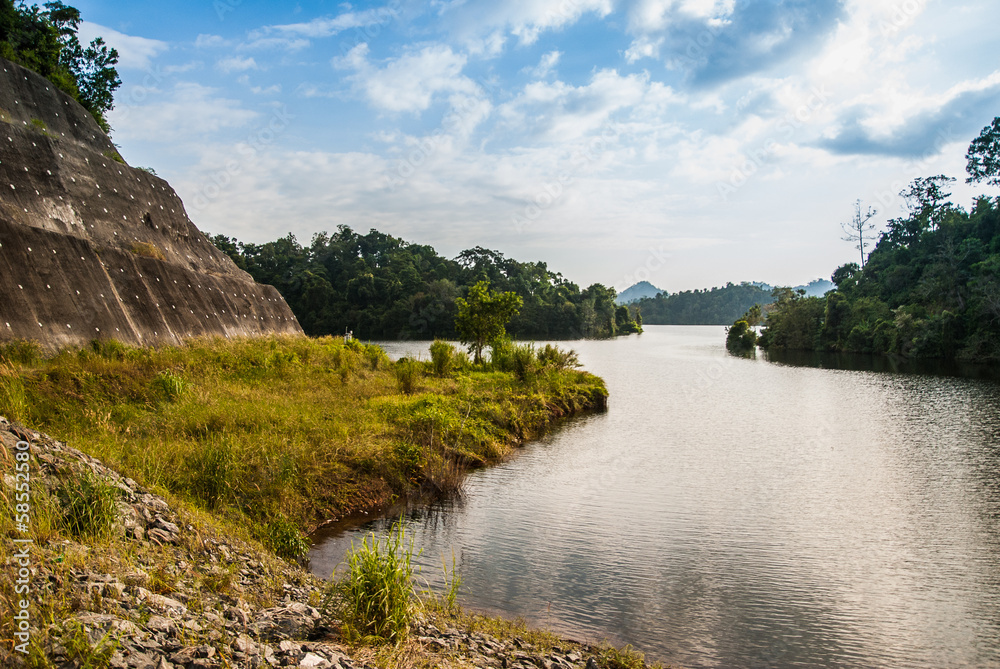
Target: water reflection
729,512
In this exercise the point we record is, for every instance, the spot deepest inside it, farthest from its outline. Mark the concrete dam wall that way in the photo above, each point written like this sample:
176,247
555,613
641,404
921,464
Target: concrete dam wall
92,248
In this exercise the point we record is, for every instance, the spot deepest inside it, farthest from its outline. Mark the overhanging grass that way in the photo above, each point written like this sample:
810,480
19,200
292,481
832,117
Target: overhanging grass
267,431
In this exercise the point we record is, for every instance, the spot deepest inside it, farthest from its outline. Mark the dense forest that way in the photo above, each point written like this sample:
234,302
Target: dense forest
46,42
381,287
715,306
930,288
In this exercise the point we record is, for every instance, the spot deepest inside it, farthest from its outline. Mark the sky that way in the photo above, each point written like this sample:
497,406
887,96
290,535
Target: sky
688,143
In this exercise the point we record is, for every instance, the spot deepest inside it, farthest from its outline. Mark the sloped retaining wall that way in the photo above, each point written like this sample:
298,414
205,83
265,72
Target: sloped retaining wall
92,248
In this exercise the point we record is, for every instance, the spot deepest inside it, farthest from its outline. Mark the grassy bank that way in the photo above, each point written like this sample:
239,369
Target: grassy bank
276,435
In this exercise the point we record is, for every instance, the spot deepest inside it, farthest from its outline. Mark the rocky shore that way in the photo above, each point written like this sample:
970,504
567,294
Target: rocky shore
172,589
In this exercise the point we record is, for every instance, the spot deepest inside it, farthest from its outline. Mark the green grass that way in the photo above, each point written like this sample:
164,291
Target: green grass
375,599
89,506
285,432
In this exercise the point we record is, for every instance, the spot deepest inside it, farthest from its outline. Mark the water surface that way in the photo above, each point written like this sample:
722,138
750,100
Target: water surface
741,513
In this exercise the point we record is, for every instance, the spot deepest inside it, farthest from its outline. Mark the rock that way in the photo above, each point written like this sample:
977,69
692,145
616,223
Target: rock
592,664
159,601
160,624
313,660
140,661
296,620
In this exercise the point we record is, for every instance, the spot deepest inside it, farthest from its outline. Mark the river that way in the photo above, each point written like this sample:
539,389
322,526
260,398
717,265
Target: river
739,513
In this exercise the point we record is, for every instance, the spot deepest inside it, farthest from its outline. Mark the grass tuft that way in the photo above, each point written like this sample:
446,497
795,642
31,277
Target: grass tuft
89,506
375,600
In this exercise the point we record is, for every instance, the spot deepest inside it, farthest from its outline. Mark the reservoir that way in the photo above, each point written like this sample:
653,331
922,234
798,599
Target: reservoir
738,513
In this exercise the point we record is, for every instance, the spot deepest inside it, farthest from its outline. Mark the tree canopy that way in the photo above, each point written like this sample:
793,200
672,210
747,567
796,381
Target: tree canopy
482,317
382,287
715,306
46,42
930,288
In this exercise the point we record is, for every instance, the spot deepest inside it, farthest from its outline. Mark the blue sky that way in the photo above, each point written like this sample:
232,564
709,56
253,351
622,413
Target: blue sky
684,142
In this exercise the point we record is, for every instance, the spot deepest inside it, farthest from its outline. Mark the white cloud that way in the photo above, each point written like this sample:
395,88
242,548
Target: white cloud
644,47
190,113
545,65
525,19
236,64
297,36
211,42
270,90
408,83
133,52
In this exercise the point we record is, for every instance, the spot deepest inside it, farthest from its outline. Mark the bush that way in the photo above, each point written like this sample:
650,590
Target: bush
110,349
442,357
21,351
556,358
283,537
147,250
407,372
375,598
741,339
89,506
508,356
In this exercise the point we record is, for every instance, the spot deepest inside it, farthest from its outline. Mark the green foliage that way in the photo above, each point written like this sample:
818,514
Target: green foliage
375,598
984,156
46,42
556,358
21,351
282,536
930,288
741,339
89,506
442,357
170,385
716,306
408,372
381,287
482,317
80,651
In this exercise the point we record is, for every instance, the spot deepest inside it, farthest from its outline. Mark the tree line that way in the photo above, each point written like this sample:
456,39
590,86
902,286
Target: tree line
45,41
382,287
714,306
930,288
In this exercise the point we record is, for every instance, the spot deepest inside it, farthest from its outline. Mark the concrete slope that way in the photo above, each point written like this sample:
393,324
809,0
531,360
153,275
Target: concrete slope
92,248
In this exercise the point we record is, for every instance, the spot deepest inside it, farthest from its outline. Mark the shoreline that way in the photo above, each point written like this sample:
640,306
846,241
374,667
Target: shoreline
171,588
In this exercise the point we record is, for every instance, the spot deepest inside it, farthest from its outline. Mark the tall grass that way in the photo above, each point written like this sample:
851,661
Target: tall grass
89,506
376,597
271,433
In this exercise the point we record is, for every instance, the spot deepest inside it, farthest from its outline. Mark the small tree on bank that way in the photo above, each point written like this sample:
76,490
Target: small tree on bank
483,315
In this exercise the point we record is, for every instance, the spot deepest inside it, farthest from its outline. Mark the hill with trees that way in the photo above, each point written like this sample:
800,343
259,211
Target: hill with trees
713,306
46,42
930,287
382,287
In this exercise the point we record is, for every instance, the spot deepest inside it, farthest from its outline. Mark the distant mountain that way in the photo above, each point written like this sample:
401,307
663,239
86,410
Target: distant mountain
637,292
817,288
713,306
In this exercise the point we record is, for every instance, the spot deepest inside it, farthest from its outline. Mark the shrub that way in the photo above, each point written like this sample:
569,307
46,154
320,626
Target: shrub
21,351
442,357
283,537
741,339
407,372
89,506
375,598
147,250
556,358
110,349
